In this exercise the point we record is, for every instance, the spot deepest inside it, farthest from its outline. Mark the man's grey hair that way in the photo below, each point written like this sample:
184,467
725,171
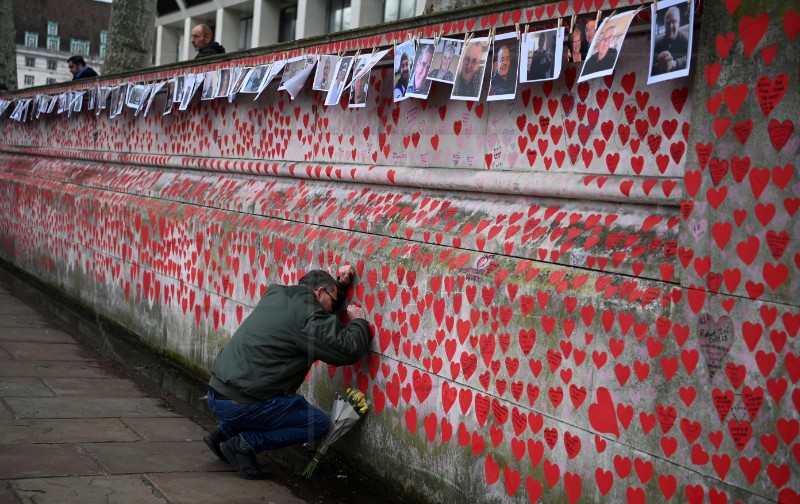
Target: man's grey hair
318,278
449,50
676,12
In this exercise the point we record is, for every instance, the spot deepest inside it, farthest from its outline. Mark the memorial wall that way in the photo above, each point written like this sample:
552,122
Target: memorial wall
578,292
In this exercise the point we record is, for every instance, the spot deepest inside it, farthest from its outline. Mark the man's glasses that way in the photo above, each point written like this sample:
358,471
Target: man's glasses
472,61
333,299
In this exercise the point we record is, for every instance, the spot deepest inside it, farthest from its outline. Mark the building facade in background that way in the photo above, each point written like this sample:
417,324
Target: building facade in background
48,33
239,24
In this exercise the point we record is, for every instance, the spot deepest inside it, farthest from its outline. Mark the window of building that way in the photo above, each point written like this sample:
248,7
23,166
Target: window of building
79,47
31,39
29,80
53,43
52,28
245,32
102,51
52,64
103,36
51,80
338,15
288,23
394,10
30,62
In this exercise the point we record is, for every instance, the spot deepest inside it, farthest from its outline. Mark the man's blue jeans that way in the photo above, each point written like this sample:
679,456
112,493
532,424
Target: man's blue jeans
268,425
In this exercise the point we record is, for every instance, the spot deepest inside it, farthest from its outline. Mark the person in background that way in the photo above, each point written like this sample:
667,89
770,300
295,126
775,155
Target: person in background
202,42
575,44
79,69
254,379
671,47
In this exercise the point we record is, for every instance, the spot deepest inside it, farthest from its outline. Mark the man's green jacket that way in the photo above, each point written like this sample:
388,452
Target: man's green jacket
272,351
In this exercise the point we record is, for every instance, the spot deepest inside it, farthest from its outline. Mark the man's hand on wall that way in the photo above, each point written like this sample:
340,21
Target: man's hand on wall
346,274
354,312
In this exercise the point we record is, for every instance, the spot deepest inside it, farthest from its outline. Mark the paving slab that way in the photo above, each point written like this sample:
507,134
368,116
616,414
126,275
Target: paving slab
86,407
24,320
37,334
64,352
5,355
166,429
52,369
227,488
68,430
36,461
93,387
6,494
152,457
17,309
24,387
124,489
10,305
6,415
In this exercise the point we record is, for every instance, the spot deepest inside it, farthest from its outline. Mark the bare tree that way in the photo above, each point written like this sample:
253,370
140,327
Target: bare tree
130,35
8,46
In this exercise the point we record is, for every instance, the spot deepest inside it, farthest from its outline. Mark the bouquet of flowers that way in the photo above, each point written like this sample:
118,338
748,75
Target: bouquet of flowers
345,413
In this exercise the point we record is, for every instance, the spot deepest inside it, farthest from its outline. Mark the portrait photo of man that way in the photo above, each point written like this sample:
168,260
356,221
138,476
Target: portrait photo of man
471,69
671,41
324,76
606,46
337,88
179,88
605,54
403,63
238,76
223,83
209,85
253,79
447,52
505,67
543,50
420,86
360,85
170,96
589,31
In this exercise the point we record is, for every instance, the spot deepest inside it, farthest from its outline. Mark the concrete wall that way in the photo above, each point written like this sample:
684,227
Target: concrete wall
585,294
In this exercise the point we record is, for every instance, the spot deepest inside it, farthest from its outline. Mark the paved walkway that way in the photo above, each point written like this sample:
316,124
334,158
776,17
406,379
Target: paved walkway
72,431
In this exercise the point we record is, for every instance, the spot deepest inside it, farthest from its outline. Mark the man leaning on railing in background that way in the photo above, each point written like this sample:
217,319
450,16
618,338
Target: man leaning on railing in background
79,68
202,42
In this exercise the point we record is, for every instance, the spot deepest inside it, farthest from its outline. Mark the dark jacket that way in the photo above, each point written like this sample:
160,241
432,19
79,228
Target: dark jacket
271,352
86,73
211,49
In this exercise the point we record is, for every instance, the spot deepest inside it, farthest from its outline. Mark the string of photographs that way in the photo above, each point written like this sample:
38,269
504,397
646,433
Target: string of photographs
516,58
